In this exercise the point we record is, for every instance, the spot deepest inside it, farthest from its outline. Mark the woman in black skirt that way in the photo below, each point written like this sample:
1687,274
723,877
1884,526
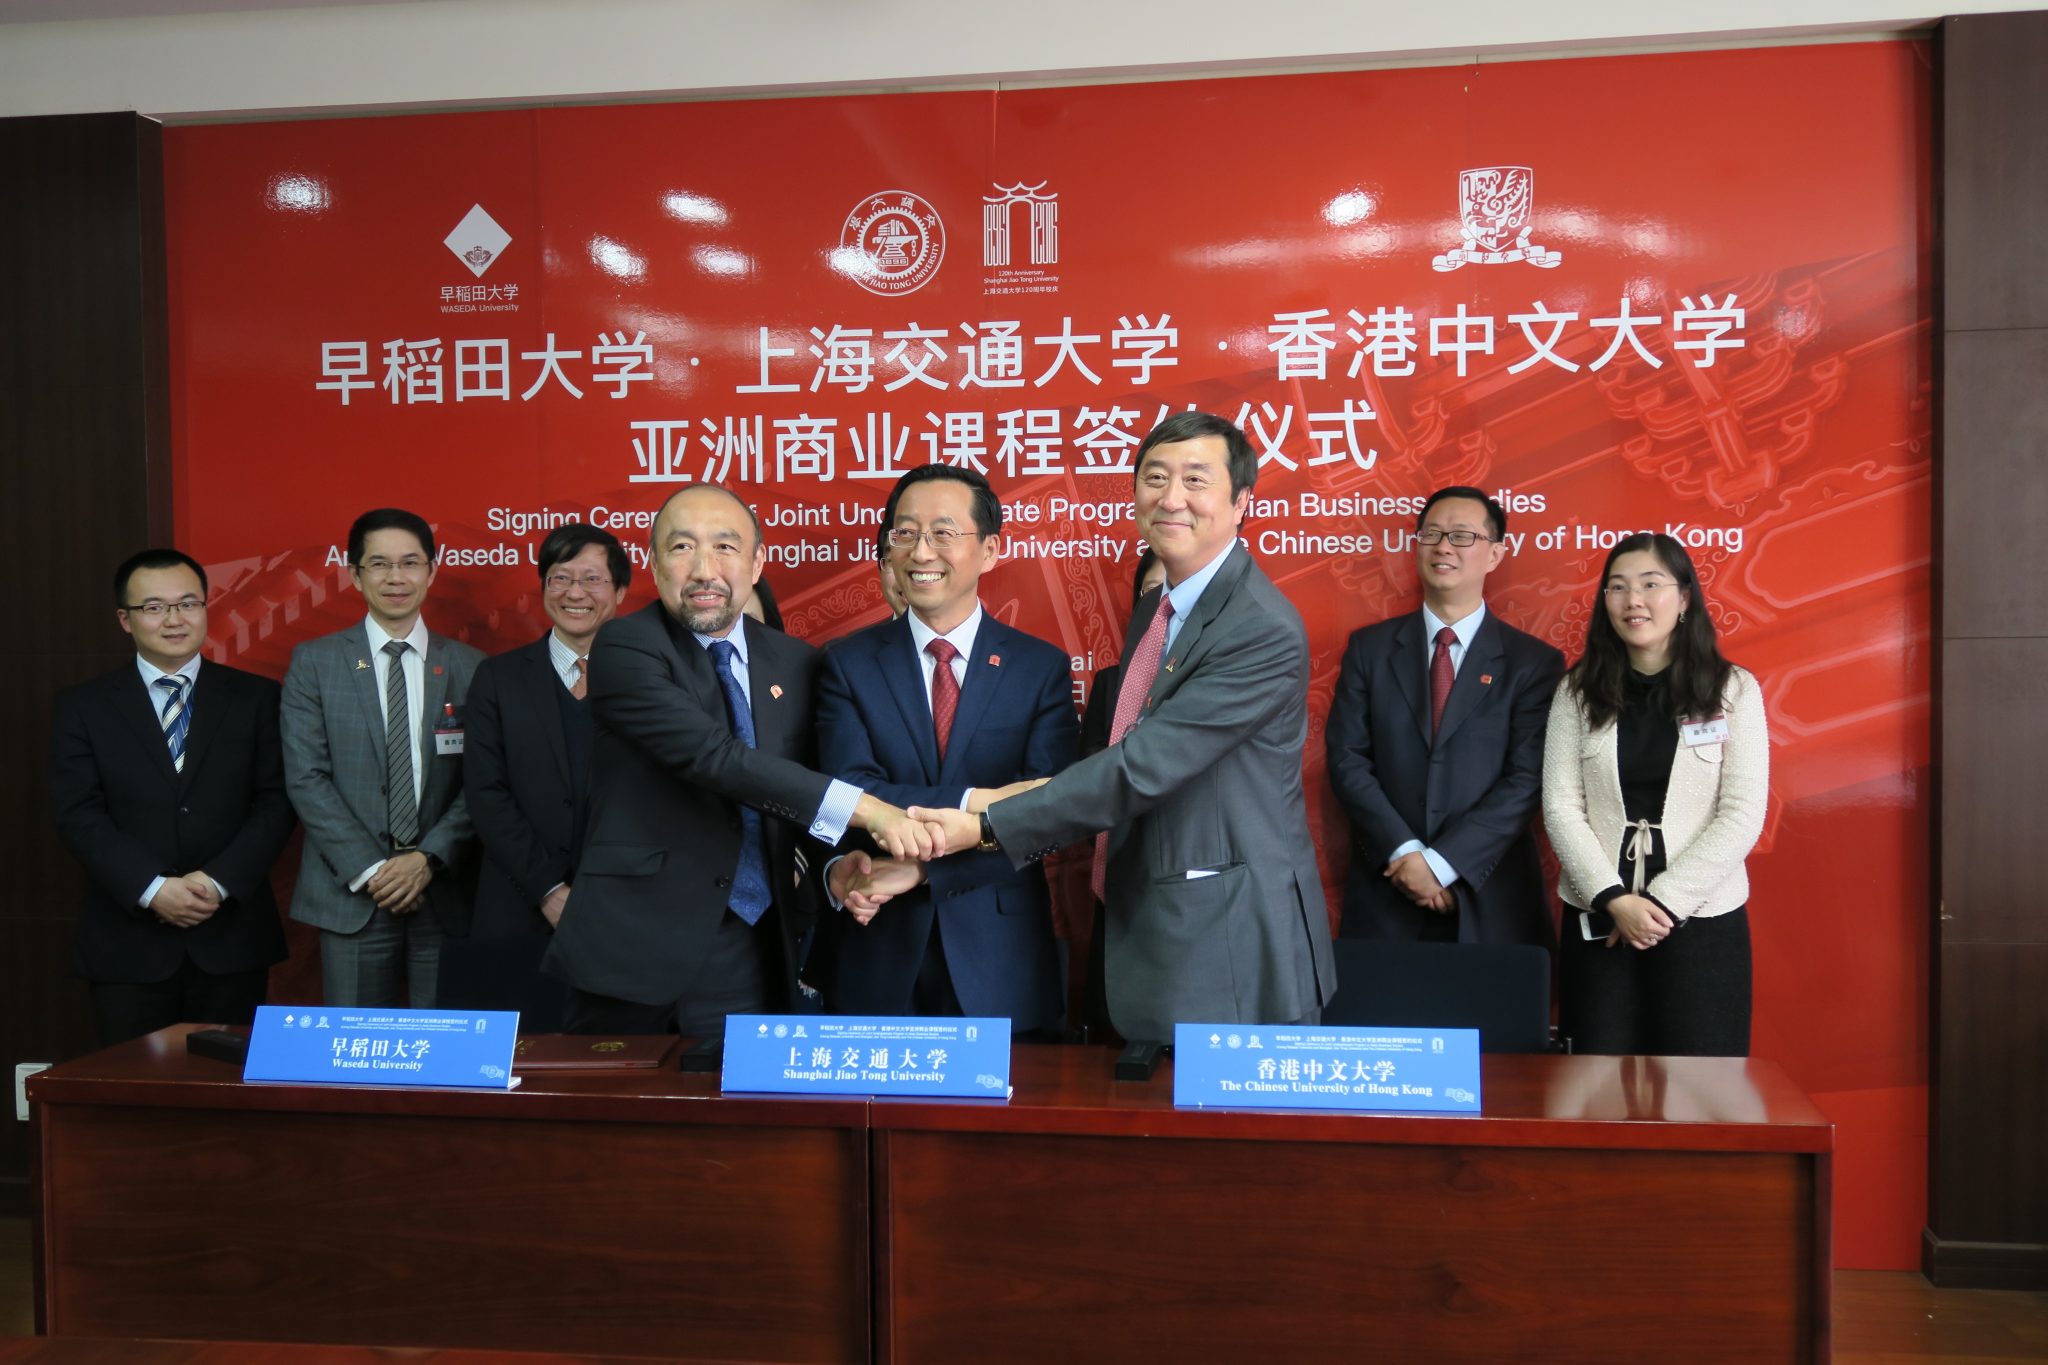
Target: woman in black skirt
1655,772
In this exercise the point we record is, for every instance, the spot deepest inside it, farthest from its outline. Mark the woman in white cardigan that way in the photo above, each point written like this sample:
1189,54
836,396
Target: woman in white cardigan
1655,771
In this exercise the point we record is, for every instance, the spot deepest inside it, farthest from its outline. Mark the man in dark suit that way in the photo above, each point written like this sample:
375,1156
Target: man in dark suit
1435,743
694,890
1213,904
166,781
526,765
927,709
373,761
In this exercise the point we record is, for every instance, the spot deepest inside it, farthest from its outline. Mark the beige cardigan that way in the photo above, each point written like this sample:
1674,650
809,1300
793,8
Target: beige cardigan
1713,807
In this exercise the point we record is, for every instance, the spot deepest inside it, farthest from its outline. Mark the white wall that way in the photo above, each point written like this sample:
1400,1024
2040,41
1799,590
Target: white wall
470,52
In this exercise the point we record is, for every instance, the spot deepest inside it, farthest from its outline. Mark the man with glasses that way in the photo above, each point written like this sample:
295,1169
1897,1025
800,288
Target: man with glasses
945,706
373,745
1435,746
166,781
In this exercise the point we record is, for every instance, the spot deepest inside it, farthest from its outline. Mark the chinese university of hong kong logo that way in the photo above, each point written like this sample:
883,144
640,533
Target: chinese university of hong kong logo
891,243
1494,203
477,240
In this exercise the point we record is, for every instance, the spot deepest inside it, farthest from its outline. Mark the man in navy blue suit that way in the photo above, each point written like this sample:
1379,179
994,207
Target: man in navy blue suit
945,706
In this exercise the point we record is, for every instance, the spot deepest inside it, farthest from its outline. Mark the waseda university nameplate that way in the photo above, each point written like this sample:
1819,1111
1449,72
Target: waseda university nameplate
436,1048
811,1054
1256,1066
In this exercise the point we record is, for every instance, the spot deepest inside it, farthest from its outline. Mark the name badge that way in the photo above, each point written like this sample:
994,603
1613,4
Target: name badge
1264,1066
813,1054
448,742
1712,730
471,1051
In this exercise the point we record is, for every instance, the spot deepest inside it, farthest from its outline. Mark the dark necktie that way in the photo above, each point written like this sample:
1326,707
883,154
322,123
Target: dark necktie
750,896
581,689
1139,671
400,802
1440,678
945,691
177,718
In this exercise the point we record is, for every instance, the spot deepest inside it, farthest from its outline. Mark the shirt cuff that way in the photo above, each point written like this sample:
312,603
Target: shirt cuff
830,899
149,892
835,812
1608,897
365,875
1446,875
1412,846
218,889
963,797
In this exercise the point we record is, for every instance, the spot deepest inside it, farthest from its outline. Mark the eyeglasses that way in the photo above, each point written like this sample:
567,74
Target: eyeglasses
384,568
590,582
157,611
1461,539
942,538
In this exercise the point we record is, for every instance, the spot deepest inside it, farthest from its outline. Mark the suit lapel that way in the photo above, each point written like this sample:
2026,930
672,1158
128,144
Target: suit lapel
138,708
985,675
434,695
903,673
209,707
539,680
1410,665
768,692
1188,643
1477,675
362,673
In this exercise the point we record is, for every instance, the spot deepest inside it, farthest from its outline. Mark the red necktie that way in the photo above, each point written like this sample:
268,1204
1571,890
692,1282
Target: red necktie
945,690
1139,671
1440,678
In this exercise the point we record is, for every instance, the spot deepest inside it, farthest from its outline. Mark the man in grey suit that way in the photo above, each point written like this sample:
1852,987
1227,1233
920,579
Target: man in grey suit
372,721
1213,906
1435,746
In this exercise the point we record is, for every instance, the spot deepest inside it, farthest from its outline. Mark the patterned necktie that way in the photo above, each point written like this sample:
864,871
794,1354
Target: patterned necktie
177,718
945,691
400,801
1440,678
750,897
1139,671
581,687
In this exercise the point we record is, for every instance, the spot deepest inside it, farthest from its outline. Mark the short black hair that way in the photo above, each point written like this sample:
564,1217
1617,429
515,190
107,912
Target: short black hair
388,519
882,542
771,614
1495,513
988,509
1190,426
1145,562
572,538
160,558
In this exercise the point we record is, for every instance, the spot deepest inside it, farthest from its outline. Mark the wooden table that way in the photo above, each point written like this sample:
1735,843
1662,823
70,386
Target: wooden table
632,1213
1603,1209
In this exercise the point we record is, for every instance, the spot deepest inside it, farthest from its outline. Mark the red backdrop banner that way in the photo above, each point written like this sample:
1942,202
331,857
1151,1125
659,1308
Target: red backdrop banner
1684,292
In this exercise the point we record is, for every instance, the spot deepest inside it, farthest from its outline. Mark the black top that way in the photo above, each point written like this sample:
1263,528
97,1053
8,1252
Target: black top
1646,745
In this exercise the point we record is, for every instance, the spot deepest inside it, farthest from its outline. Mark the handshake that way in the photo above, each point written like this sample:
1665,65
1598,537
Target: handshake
910,838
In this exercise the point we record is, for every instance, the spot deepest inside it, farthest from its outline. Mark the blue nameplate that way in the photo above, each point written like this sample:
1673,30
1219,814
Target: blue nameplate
383,1047
830,1054
1262,1066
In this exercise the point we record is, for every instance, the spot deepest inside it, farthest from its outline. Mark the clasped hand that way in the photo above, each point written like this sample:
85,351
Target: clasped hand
1412,877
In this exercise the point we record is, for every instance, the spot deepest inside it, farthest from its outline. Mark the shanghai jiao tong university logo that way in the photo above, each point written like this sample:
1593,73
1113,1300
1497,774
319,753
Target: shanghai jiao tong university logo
1494,204
891,243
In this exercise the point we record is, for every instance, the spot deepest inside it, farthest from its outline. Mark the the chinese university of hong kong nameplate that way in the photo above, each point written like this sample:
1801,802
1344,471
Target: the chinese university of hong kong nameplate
1259,1066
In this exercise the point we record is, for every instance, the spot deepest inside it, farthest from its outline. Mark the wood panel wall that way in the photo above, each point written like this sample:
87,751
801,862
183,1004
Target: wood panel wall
1988,1139
84,482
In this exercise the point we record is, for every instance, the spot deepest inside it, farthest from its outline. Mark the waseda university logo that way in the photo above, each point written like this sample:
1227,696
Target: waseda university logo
477,240
1494,204
891,243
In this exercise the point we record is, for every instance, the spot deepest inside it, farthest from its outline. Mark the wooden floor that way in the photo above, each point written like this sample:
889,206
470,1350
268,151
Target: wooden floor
1881,1317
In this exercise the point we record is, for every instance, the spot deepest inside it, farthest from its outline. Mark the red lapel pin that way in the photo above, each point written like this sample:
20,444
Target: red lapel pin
995,661
775,691
437,670
1486,679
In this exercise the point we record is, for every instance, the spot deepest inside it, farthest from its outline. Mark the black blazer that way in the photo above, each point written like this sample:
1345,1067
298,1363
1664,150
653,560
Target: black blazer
1472,796
667,780
526,810
130,817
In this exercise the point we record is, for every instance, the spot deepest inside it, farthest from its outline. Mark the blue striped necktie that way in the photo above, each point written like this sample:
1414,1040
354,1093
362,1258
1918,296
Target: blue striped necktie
177,718
750,893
